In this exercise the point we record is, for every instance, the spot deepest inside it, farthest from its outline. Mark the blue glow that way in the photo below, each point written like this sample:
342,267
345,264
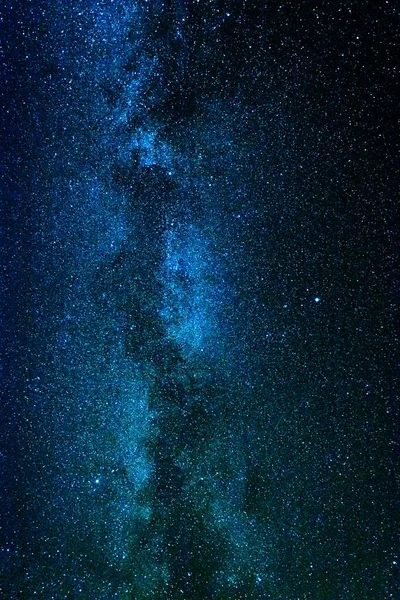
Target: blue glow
193,290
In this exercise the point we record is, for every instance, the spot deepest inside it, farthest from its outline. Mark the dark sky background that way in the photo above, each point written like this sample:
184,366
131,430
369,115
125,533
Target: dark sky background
199,300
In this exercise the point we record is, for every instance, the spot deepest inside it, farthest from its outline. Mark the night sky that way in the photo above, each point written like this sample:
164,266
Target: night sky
199,295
